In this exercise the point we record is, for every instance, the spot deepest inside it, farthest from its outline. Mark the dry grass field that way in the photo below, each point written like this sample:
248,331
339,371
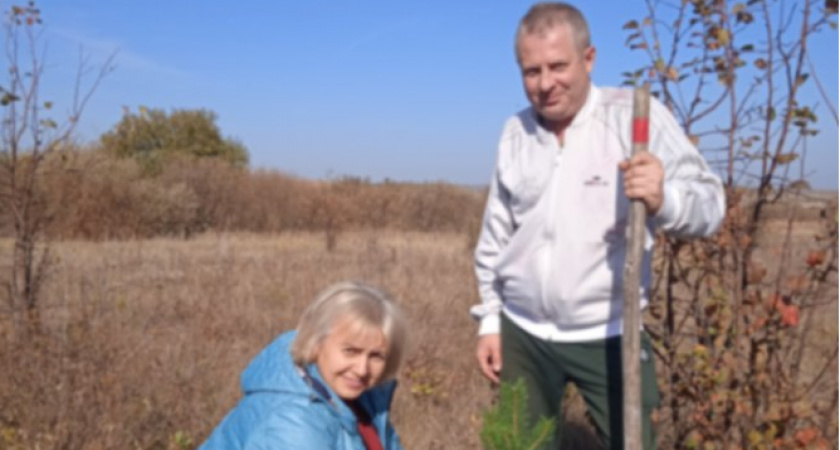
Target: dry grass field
147,338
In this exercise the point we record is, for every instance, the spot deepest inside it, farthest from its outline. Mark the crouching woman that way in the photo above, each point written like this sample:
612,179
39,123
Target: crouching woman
326,385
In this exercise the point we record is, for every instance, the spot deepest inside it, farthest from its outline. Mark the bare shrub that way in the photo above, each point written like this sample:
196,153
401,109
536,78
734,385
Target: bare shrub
93,196
29,133
735,315
215,185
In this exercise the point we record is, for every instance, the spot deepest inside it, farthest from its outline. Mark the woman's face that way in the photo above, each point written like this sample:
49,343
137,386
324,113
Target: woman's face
351,358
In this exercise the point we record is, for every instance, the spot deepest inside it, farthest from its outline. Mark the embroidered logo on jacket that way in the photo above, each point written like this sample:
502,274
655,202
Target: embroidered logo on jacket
595,180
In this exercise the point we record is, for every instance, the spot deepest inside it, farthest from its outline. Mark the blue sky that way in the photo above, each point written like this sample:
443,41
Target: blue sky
412,91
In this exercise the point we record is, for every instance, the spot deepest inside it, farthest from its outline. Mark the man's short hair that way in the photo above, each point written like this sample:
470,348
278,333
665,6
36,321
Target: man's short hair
366,308
546,16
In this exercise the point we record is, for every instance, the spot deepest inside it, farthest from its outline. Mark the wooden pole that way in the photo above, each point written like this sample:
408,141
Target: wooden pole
630,337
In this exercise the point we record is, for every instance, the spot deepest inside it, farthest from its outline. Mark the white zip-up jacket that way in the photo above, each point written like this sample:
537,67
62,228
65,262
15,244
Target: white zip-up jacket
552,244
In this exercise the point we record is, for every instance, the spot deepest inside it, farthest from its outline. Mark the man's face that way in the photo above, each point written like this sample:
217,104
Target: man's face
555,74
351,361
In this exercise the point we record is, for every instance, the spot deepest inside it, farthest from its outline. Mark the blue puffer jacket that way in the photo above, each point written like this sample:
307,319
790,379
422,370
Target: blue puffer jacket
288,408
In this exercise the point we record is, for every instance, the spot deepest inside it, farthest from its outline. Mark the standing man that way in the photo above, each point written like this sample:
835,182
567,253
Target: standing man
550,257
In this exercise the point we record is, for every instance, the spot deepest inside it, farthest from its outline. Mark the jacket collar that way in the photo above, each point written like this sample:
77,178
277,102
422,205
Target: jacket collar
376,401
546,136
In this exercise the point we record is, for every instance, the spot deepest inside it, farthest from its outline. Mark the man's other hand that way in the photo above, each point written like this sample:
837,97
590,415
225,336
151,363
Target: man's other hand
489,353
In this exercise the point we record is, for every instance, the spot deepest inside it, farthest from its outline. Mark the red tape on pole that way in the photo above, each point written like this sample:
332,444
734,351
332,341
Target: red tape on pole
640,130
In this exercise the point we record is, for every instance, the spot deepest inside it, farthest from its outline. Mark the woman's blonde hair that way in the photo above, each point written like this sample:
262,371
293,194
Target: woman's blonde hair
365,306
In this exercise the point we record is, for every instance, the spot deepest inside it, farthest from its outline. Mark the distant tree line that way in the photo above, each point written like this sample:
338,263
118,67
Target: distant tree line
162,174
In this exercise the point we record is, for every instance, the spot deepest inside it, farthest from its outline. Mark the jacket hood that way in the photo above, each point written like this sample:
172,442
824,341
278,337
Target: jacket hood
273,370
